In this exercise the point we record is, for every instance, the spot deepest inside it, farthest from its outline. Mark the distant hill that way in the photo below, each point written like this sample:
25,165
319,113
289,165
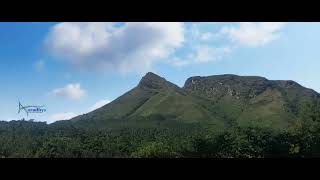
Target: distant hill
217,102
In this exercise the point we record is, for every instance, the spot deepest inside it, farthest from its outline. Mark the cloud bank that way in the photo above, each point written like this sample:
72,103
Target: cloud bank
137,46
72,91
126,47
252,34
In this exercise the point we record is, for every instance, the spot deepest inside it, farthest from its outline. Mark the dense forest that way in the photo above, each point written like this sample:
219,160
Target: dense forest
21,139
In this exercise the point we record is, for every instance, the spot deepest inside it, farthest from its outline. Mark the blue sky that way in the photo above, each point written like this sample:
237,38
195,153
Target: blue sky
73,68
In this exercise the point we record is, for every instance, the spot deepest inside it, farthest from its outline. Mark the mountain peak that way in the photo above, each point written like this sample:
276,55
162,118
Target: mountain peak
153,81
152,75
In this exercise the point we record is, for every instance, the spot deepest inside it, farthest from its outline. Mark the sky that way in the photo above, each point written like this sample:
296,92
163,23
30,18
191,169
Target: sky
74,68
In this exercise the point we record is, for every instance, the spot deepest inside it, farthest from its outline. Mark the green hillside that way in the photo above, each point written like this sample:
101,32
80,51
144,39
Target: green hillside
217,102
223,116
153,102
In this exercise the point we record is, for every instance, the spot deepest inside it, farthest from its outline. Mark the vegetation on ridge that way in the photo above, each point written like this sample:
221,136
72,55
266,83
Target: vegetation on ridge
224,116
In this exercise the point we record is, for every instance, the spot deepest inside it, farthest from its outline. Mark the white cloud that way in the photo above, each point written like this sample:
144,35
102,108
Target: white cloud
69,115
206,54
195,33
130,47
252,34
203,54
137,46
99,104
61,116
208,46
72,91
39,65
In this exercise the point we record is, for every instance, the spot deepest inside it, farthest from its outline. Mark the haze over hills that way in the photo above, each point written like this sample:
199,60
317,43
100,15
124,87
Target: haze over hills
218,102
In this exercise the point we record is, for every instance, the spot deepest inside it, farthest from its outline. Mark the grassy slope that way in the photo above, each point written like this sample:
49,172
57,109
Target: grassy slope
180,107
253,101
216,102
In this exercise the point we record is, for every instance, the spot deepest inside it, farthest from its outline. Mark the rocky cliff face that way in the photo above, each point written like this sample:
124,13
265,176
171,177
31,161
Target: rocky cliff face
241,86
228,85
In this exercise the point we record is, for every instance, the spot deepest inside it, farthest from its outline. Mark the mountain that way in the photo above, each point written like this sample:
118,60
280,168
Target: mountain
216,102
253,100
154,102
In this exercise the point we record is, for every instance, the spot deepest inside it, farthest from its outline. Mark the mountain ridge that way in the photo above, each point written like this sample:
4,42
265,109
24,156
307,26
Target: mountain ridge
217,101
